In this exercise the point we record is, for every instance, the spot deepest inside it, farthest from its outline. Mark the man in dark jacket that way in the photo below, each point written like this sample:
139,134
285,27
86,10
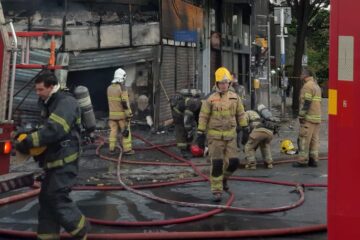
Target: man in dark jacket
185,110
60,135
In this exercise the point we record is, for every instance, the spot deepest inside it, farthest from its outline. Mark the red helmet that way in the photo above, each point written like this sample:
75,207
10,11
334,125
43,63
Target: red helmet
196,151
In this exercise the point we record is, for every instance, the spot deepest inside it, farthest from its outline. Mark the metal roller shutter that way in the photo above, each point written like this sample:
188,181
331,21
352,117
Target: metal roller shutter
110,58
182,80
185,67
191,65
167,78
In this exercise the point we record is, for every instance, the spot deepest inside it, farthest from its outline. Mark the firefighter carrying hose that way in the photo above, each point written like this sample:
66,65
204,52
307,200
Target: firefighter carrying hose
260,134
60,135
185,109
120,113
221,113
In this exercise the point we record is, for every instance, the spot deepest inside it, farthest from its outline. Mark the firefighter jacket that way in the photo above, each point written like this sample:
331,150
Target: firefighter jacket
220,114
191,113
310,101
59,132
185,111
119,107
177,104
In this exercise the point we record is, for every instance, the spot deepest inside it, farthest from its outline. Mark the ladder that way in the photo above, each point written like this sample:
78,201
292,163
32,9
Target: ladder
25,38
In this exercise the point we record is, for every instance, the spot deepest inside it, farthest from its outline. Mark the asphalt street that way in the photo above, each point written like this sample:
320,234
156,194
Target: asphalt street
121,205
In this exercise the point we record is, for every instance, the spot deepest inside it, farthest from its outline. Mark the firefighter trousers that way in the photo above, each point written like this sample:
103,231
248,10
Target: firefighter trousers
57,209
309,142
180,135
224,155
258,139
115,125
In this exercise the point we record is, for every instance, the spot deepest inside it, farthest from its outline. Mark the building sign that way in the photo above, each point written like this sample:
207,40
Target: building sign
185,36
287,15
304,61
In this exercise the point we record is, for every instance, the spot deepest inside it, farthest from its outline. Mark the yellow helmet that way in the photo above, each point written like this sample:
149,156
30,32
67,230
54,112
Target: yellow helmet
35,151
287,147
222,74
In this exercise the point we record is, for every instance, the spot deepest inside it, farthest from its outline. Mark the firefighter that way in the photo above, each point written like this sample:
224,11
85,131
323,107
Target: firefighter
310,119
60,135
185,109
260,135
143,112
220,114
120,113
238,88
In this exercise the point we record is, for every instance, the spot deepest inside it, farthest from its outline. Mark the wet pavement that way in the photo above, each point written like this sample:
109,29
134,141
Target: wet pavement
124,206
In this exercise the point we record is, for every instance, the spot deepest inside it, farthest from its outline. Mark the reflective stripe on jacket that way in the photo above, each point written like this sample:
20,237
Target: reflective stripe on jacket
311,92
253,118
115,94
60,131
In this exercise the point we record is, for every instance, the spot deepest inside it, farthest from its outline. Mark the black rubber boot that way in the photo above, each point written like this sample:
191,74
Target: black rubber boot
217,197
312,163
299,165
225,185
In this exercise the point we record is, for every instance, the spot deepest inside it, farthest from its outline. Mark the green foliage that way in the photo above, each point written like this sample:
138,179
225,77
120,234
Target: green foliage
317,47
318,44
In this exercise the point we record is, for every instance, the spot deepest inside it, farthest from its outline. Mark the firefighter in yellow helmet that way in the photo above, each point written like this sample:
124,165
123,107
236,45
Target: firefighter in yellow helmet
220,114
260,135
310,120
120,113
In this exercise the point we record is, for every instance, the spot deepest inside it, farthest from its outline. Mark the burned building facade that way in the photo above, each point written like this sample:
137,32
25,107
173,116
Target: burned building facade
164,46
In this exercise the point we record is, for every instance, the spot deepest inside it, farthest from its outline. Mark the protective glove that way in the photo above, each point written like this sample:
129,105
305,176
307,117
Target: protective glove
174,100
276,129
124,105
126,133
200,140
23,146
245,135
128,114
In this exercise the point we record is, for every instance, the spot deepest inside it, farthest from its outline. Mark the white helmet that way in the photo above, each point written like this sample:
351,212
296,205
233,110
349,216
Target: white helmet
119,76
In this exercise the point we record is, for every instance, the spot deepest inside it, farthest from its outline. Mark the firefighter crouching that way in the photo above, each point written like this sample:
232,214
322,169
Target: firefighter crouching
60,135
310,120
185,109
261,133
220,114
120,113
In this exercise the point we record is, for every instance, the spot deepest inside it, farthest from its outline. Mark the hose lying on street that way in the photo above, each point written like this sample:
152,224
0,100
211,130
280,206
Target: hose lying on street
214,209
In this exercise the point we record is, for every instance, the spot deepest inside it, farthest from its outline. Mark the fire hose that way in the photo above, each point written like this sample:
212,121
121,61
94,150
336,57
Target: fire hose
180,235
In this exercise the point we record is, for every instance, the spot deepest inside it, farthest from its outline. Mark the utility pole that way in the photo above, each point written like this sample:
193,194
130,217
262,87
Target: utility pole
268,56
269,64
282,16
282,57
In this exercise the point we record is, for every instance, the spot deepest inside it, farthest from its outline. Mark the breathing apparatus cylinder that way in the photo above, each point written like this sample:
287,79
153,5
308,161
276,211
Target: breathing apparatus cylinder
264,112
88,120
